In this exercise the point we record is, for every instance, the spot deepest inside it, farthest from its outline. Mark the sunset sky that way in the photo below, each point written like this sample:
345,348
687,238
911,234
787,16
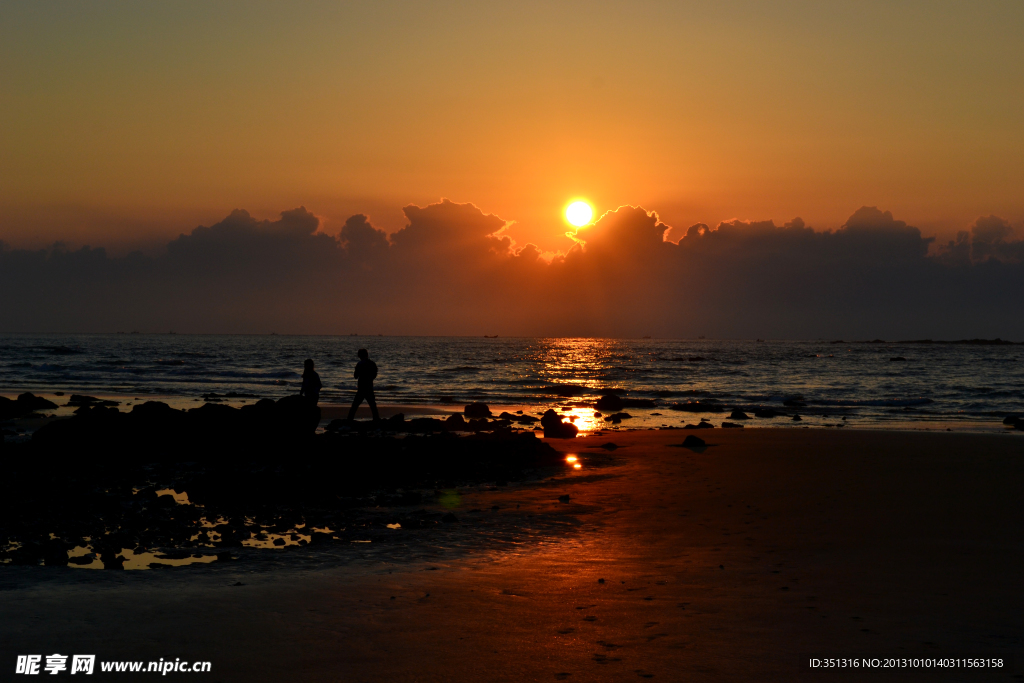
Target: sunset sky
126,124
755,169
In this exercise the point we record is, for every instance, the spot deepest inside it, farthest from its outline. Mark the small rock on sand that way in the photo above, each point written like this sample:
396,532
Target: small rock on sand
477,410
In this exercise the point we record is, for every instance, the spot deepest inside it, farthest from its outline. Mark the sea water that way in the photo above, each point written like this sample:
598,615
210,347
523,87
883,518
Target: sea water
884,383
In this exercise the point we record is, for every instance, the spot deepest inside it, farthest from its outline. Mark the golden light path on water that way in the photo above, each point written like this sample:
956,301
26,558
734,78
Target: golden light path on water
578,364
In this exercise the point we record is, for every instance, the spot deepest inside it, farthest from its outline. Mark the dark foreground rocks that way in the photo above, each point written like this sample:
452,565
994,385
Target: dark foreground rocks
25,404
555,428
103,475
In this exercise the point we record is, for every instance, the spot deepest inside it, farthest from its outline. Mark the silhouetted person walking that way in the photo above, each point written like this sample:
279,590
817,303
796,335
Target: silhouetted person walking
366,372
311,384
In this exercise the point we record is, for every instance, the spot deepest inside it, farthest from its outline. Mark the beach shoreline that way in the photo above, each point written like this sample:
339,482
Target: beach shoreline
642,418
738,561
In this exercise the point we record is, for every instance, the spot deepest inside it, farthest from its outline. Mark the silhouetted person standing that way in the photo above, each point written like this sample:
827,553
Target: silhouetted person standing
311,384
366,372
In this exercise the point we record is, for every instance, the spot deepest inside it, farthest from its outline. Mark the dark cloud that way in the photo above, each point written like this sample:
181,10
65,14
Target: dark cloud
989,238
456,270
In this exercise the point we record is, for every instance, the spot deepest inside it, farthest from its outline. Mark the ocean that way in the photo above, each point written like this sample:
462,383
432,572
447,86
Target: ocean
887,384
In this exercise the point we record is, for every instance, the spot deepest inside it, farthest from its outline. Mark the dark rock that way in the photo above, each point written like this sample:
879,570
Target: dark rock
766,412
738,415
55,553
797,418
563,499
566,430
700,425
600,580
794,402
609,446
155,410
693,442
335,425
450,518
456,423
555,428
621,416
477,410
519,417
897,359
111,560
731,425
424,425
25,404
297,415
609,402
1010,420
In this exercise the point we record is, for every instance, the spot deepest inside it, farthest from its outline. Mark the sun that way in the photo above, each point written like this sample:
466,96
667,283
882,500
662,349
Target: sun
579,213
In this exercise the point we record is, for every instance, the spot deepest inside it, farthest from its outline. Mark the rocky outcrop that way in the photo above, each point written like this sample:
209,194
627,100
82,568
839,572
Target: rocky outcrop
24,405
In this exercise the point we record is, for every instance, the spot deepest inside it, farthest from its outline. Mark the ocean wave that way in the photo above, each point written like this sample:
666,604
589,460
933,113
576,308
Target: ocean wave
234,373
62,350
876,402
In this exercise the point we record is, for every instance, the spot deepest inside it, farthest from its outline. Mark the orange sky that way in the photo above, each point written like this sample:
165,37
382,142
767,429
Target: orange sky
124,124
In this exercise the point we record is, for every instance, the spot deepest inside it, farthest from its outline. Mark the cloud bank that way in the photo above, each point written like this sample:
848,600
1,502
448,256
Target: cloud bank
456,270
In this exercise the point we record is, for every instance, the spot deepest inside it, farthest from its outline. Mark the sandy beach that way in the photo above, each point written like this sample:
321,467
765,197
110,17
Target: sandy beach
740,562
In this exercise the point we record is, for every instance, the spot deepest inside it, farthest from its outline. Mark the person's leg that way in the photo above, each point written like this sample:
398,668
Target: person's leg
372,400
355,405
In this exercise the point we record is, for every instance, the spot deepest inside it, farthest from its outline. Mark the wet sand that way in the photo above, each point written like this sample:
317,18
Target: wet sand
736,563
